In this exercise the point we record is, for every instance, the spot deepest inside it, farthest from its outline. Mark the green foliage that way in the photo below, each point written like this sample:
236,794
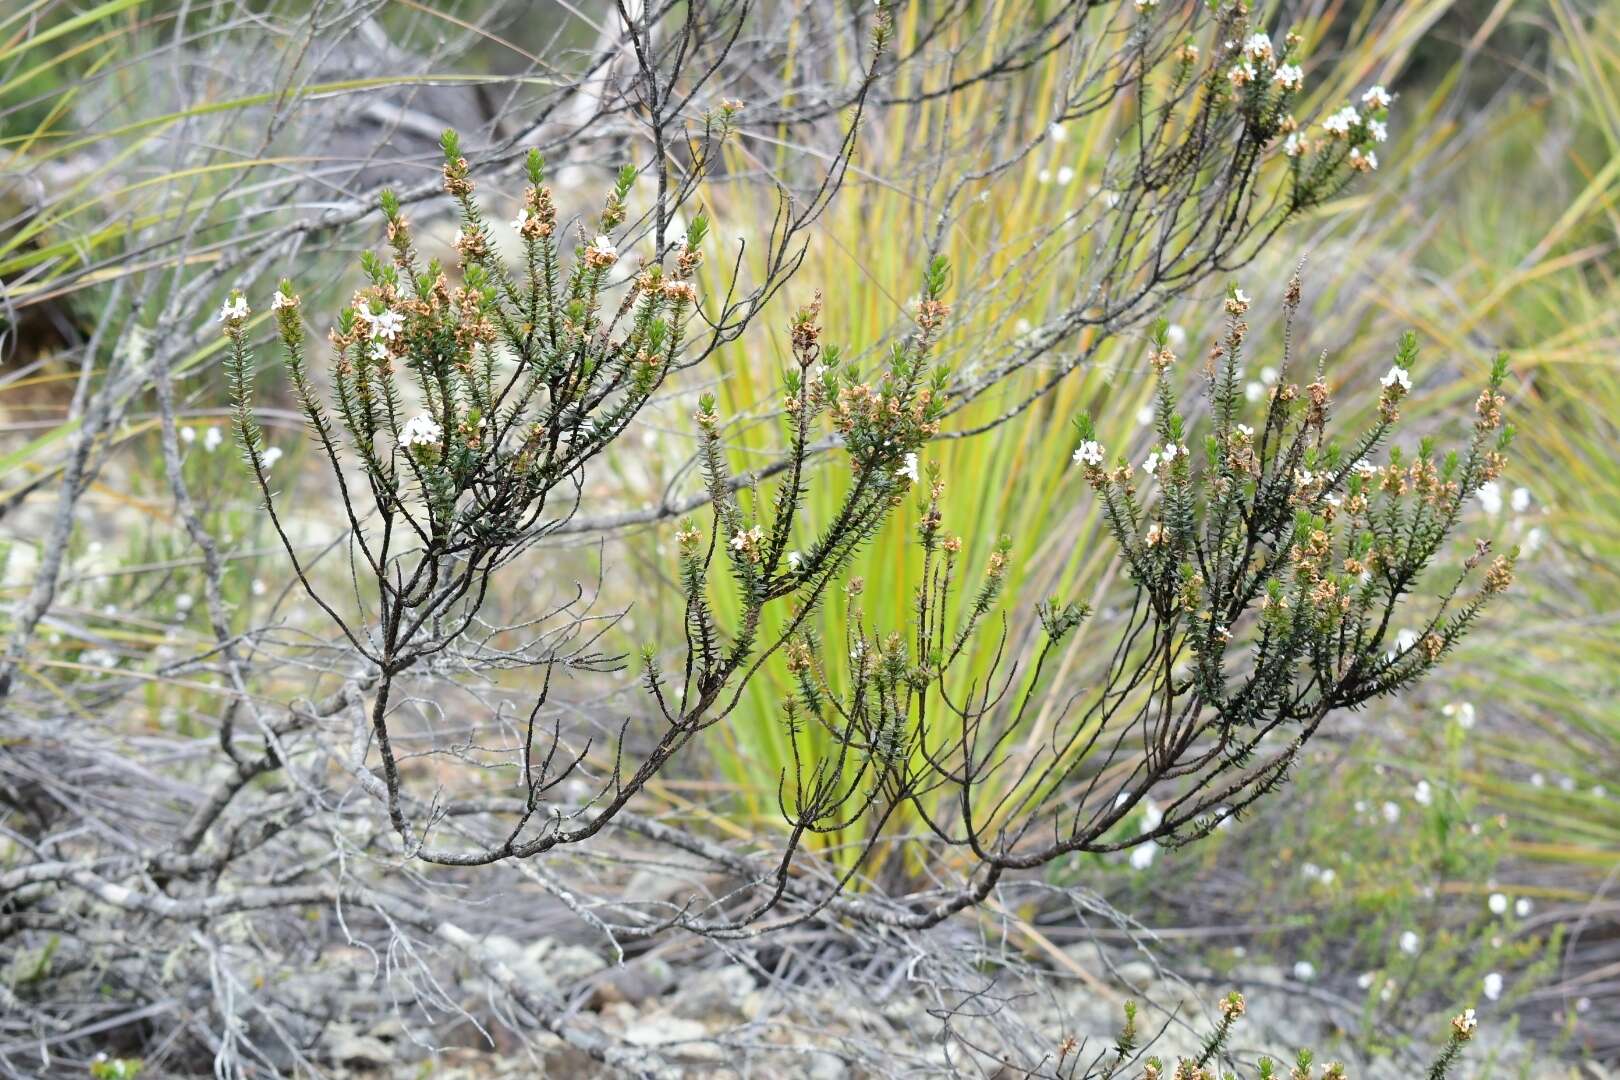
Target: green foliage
1215,1062
115,1068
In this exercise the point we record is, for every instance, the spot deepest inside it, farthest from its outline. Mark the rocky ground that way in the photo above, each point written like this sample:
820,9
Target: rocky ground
723,1021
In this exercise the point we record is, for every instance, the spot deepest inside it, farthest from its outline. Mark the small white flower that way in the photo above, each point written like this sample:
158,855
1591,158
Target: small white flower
795,561
1173,451
1151,464
521,220
183,602
1243,74
421,430
1462,712
1340,123
909,469
1142,857
1258,46
271,456
1304,477
1497,903
1410,943
1240,296
1467,1023
1044,176
211,439
1293,146
1367,160
1490,497
233,309
1522,907
1289,76
1090,453
1056,132
1366,469
1423,793
259,587
1397,375
1521,500
1534,539
1365,980
603,246
385,324
1405,640
1254,392
1493,985
1245,430
1537,780
1378,130
1391,812
1065,175
188,435
1376,97
279,300
1311,872
1304,971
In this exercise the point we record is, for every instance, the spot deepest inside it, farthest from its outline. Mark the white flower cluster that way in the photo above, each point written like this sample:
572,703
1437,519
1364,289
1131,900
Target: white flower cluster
234,310
909,469
1350,124
1163,457
1090,453
747,539
1339,124
385,324
1397,375
421,430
